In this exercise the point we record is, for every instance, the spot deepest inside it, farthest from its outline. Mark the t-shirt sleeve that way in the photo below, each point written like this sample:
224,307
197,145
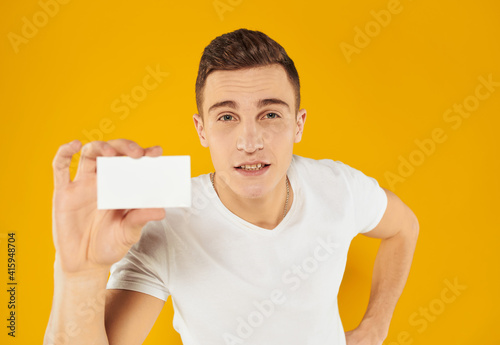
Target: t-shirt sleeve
369,199
145,267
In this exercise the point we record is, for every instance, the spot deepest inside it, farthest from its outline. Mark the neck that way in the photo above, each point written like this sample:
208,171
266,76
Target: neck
265,211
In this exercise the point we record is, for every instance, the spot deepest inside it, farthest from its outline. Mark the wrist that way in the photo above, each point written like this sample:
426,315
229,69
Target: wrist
89,275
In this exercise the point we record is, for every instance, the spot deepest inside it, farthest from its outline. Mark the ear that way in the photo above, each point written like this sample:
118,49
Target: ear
200,129
301,120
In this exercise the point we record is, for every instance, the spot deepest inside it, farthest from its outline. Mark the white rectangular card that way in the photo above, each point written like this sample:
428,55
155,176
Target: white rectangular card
125,182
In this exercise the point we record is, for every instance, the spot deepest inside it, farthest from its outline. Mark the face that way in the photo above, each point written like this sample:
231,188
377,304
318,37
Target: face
249,118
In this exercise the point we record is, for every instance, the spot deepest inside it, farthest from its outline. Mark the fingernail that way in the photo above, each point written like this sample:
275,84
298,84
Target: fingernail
133,145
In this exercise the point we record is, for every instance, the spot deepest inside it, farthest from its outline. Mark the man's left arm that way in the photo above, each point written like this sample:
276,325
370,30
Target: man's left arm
398,230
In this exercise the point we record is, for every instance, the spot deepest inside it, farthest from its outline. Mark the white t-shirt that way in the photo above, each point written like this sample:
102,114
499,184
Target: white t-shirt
232,282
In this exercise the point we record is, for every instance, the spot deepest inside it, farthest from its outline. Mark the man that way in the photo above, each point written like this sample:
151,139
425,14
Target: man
259,257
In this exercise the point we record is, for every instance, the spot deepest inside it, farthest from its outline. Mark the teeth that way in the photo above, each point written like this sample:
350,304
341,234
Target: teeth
252,167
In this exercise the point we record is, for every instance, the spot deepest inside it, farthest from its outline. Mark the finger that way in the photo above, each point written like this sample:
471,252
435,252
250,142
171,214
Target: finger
135,219
90,152
62,161
153,151
127,147
115,147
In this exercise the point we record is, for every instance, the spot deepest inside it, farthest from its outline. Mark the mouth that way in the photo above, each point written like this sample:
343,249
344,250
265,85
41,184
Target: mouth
252,167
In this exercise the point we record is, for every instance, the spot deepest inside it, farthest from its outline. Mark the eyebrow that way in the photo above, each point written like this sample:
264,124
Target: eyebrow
261,103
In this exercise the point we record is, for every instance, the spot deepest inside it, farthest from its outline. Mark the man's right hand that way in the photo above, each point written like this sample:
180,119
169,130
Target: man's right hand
87,239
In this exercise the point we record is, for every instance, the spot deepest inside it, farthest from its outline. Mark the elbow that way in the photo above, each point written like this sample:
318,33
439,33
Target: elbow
414,226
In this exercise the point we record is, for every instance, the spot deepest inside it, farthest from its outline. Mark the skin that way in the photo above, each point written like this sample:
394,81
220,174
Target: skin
88,241
398,230
248,132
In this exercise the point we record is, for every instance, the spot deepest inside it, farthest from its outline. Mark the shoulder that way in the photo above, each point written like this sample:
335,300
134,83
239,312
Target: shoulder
320,178
153,235
326,174
324,167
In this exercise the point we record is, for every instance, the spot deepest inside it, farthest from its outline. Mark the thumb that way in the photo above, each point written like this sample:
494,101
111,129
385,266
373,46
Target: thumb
135,219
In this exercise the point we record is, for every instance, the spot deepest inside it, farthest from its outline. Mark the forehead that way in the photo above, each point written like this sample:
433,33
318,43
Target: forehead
248,84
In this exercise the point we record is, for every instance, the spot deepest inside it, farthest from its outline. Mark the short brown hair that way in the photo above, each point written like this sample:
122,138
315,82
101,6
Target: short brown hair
239,49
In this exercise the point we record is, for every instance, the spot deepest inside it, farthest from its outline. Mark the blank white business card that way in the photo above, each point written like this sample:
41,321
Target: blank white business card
147,182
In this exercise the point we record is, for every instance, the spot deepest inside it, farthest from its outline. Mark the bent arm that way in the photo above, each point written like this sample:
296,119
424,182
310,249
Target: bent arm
398,230
87,242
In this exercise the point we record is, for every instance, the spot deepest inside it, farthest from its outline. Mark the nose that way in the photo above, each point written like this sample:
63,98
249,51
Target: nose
250,137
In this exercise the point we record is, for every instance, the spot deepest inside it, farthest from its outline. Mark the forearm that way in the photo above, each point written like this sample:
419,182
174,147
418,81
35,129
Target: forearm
390,272
77,315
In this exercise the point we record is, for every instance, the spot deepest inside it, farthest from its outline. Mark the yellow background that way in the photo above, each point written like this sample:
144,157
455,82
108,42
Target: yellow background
367,113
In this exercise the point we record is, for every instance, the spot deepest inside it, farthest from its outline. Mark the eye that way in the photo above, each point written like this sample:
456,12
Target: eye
226,117
274,115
